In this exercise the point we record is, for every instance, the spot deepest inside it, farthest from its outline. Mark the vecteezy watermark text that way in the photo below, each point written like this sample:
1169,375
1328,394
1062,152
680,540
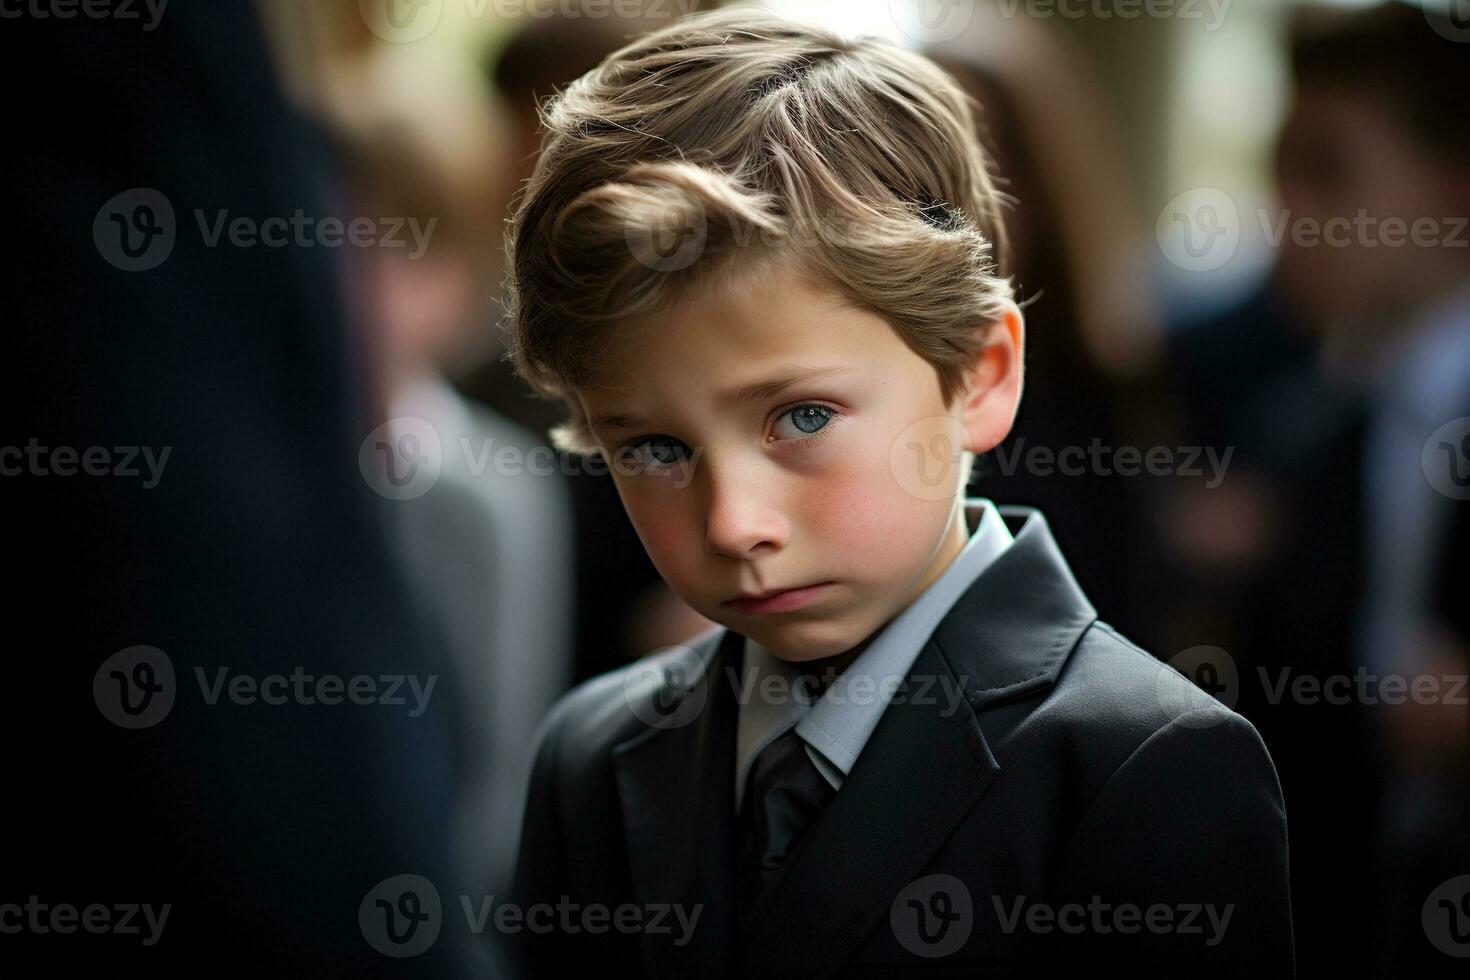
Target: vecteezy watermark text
136,688
137,230
89,9
63,918
35,459
1102,918
402,916
1097,459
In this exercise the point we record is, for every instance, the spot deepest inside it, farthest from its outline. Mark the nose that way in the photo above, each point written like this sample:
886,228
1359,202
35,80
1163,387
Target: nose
741,518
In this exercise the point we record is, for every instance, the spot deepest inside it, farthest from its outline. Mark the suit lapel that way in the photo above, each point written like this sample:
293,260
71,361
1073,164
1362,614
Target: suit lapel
676,789
928,763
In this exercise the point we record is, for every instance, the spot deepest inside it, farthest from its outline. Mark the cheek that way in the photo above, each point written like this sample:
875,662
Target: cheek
665,533
865,523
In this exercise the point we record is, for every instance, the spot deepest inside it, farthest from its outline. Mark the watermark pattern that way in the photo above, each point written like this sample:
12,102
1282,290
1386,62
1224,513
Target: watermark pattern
1450,19
35,459
1446,917
1363,686
403,916
404,457
933,916
137,230
1363,228
1200,230
931,21
137,688
1099,917
675,241
1446,459
850,687
659,690
1212,670
926,457
63,918
1097,459
407,21
676,699
1210,12
148,12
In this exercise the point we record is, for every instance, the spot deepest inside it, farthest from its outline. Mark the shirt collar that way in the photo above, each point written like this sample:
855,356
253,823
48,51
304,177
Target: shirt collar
839,724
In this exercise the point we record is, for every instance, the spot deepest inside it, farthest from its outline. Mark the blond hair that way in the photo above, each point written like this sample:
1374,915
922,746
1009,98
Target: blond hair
761,140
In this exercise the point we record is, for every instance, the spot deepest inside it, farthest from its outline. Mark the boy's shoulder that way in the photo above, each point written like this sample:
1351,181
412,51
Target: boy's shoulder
1116,707
663,690
1124,685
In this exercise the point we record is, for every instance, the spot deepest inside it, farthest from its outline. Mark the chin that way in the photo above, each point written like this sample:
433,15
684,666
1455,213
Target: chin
801,641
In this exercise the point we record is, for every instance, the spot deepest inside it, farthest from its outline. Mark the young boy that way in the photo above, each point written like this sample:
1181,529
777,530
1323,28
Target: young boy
758,263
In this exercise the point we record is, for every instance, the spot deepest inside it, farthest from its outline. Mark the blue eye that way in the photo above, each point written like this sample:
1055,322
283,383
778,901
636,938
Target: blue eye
807,419
653,453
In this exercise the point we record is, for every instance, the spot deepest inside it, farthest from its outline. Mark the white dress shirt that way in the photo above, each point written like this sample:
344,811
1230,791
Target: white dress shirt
837,726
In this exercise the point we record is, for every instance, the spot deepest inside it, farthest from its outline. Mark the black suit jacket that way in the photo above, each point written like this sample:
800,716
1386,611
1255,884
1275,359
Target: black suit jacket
1077,775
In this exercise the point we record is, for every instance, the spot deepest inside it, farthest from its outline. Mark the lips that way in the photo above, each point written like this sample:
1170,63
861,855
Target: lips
777,600
752,596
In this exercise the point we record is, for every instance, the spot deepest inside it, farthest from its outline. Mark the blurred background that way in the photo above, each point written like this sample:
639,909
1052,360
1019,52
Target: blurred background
1241,229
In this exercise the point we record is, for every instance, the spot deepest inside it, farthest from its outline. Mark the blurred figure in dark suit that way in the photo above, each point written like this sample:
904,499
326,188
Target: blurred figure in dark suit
268,814
623,608
1341,564
489,543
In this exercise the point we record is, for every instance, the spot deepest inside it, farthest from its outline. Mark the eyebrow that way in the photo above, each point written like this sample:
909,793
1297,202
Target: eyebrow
756,391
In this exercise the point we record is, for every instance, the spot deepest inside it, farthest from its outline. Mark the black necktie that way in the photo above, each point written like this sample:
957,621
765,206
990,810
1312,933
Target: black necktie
783,795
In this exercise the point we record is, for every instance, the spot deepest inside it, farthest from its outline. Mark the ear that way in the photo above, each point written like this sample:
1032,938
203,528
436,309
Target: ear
988,403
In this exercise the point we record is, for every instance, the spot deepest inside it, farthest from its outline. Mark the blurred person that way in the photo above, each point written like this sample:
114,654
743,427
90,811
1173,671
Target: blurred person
1380,134
624,609
215,776
488,542
1351,561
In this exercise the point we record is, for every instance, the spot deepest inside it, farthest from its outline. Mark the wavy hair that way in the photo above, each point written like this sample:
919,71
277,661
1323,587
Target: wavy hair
727,142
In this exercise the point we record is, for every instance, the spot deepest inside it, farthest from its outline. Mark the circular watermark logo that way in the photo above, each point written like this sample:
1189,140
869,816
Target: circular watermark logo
135,230
1450,19
933,916
675,241
661,692
401,21
401,916
402,458
1446,917
1199,231
926,457
135,687
931,21
1210,669
1446,459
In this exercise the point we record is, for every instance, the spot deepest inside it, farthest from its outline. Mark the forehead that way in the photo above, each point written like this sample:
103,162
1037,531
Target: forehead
772,319
758,337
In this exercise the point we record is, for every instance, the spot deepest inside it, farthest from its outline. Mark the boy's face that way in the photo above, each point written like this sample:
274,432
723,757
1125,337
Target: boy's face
849,479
